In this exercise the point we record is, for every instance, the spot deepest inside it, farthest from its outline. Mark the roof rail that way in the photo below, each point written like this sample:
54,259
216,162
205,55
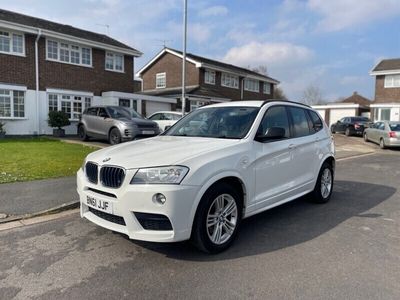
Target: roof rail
277,100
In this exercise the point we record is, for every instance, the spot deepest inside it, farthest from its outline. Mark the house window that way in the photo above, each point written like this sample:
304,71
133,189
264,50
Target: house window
72,105
267,88
251,85
12,43
209,77
68,53
114,62
125,102
161,80
229,80
392,81
12,104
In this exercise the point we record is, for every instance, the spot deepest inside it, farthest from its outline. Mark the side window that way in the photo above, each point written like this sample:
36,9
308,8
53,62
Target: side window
316,121
275,116
381,126
176,117
300,122
91,111
155,117
103,113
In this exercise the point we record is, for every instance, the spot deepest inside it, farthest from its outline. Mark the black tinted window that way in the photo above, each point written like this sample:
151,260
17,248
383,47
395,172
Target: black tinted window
394,127
102,112
300,122
316,121
275,116
91,111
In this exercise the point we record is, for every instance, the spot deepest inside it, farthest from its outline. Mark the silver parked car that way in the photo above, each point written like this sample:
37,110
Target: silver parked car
115,123
384,133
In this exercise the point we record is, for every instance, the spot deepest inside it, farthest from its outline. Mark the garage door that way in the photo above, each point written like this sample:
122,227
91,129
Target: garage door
153,106
338,113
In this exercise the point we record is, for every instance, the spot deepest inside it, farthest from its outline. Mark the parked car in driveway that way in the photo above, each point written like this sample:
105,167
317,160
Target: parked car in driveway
217,165
350,125
165,119
115,123
384,133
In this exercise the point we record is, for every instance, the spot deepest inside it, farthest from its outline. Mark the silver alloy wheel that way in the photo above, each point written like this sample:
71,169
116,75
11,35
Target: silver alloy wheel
326,183
222,219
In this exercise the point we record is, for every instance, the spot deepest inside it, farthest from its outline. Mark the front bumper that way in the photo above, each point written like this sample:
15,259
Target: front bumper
130,199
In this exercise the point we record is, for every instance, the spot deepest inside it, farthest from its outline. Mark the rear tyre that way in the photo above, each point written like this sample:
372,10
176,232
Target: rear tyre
382,143
347,132
324,186
217,219
82,133
365,138
114,137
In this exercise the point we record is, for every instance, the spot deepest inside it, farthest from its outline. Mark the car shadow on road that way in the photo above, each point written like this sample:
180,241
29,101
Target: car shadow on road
290,224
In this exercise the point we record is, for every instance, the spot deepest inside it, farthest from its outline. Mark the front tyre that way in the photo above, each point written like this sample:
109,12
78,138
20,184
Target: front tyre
324,186
217,219
347,132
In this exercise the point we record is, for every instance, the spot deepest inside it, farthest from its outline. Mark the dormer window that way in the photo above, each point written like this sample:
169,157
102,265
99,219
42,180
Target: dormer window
251,85
209,77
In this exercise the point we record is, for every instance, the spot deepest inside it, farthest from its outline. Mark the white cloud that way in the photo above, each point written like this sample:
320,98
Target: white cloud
342,14
214,11
270,54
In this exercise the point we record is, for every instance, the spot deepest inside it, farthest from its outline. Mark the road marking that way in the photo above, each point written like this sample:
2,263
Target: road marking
37,220
355,156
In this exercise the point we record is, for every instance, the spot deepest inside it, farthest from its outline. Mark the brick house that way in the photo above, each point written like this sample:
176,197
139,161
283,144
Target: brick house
207,81
386,105
47,66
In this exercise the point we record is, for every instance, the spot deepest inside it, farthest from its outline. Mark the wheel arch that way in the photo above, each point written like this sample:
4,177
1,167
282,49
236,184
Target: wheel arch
231,178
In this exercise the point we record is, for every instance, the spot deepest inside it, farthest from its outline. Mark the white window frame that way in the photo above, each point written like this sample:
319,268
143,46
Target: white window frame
61,97
266,90
12,110
69,49
11,37
251,85
161,76
209,77
232,79
114,55
390,81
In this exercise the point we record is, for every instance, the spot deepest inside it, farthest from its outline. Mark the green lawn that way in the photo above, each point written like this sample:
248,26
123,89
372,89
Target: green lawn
27,159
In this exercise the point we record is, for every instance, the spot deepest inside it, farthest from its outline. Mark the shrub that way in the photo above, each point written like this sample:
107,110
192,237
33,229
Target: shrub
58,119
2,125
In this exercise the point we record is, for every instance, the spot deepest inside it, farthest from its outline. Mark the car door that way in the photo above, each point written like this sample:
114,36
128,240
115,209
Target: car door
373,134
103,122
381,132
89,118
273,167
338,125
305,150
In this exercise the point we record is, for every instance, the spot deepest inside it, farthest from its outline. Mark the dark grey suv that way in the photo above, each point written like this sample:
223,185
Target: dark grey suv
115,123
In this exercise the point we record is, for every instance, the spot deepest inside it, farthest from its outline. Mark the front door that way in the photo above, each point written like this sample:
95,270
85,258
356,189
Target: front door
273,163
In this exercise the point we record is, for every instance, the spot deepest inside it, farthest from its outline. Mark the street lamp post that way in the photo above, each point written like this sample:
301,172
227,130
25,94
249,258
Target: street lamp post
184,57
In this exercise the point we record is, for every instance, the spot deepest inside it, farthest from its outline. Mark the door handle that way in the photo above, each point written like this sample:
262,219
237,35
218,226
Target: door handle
292,146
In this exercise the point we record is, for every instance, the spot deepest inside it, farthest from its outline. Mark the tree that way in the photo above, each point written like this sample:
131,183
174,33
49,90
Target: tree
262,69
279,94
312,95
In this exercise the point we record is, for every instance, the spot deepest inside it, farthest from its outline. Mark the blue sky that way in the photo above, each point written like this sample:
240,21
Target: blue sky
328,44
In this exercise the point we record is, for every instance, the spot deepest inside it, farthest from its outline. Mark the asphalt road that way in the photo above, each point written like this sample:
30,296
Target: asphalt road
346,249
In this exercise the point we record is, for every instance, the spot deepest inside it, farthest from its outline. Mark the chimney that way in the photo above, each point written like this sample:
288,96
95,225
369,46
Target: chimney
354,93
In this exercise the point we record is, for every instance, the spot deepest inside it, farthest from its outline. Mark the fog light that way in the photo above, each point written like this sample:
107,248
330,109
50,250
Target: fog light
159,198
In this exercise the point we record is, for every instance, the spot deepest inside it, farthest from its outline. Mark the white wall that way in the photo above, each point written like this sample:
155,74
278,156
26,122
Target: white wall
338,113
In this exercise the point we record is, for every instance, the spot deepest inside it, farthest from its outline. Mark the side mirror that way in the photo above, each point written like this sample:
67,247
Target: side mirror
273,133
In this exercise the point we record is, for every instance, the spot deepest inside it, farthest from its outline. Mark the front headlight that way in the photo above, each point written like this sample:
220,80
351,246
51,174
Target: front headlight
160,175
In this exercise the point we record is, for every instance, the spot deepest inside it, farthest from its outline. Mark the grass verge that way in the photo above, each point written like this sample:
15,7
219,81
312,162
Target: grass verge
25,159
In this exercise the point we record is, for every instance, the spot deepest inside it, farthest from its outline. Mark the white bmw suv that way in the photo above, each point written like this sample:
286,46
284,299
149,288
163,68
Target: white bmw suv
216,166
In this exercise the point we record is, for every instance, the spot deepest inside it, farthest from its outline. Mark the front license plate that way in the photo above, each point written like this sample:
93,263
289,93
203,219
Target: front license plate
148,132
98,204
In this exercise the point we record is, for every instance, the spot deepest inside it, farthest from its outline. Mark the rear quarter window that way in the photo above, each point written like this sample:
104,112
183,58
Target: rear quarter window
317,123
300,121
